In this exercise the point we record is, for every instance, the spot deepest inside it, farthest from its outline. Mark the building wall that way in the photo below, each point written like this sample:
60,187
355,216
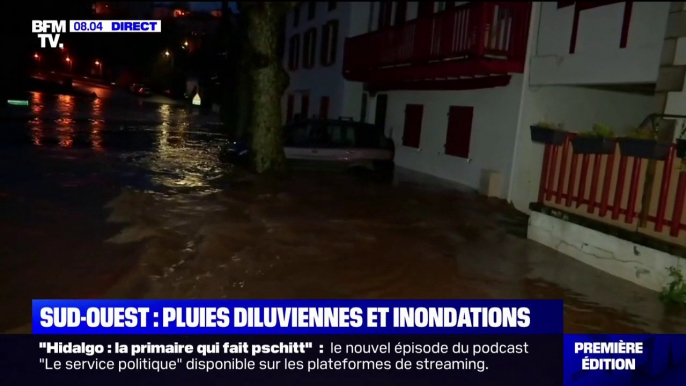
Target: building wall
320,80
639,264
598,58
492,140
577,108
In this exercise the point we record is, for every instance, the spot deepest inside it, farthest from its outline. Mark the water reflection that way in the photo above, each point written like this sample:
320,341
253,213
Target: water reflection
35,123
177,162
96,123
65,132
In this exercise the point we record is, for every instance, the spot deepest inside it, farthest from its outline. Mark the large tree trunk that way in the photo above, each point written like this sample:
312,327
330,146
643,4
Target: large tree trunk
269,80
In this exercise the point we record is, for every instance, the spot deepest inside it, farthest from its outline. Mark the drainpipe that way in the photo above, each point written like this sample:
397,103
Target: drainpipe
532,42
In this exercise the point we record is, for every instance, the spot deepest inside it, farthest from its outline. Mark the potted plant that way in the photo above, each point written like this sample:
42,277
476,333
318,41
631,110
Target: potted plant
681,143
548,133
600,140
642,143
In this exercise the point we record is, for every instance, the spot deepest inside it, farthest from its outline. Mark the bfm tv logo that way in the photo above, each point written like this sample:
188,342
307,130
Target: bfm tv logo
41,26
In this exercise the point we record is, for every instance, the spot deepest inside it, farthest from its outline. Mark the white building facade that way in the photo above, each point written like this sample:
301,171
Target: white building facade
457,84
315,36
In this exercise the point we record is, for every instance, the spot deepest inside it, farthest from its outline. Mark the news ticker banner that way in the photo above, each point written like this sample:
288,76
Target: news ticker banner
296,317
49,31
332,342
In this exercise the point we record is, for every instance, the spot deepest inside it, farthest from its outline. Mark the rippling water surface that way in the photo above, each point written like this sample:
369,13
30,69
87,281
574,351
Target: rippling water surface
125,199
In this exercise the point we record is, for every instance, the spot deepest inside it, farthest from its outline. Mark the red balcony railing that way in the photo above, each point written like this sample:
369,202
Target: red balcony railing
495,30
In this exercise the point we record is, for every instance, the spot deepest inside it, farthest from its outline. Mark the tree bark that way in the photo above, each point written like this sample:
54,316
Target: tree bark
269,81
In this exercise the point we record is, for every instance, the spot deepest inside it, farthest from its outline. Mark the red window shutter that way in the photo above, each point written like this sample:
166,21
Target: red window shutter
459,131
400,12
324,107
413,125
305,106
289,108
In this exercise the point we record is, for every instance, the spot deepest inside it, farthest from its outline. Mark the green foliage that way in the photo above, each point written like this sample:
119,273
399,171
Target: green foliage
599,131
549,125
675,291
643,132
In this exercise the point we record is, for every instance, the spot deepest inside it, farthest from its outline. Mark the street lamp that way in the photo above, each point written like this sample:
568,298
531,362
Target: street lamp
99,64
68,60
170,56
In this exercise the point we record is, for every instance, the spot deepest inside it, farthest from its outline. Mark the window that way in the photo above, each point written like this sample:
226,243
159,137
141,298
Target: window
332,5
309,47
412,131
385,13
425,8
381,110
324,107
305,106
293,52
400,12
459,132
296,15
363,111
289,108
370,21
329,43
311,10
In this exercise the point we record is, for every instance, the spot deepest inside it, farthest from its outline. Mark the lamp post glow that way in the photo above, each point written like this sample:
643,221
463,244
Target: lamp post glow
68,60
170,56
99,64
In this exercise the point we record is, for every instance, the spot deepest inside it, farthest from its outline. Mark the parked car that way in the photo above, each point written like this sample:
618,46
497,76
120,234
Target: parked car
141,89
341,144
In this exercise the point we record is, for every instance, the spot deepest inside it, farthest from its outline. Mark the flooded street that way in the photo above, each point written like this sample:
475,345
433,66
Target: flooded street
118,198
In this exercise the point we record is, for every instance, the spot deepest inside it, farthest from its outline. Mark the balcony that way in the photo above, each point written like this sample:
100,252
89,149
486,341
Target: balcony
475,45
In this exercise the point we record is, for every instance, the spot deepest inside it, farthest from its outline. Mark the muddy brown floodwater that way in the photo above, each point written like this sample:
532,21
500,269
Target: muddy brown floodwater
148,211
